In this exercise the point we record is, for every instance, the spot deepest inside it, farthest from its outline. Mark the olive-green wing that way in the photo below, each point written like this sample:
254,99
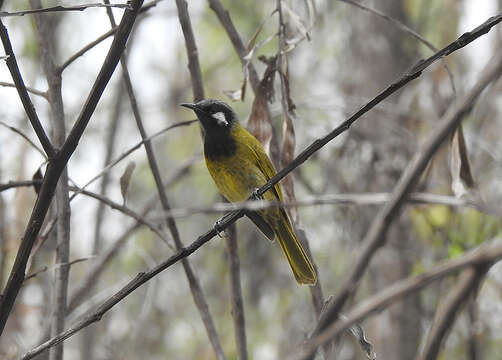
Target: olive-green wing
265,165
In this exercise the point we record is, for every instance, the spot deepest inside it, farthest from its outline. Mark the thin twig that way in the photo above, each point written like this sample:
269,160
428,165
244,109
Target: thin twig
236,292
375,237
404,28
124,210
29,89
230,218
23,94
24,136
64,8
225,20
362,199
133,149
101,38
86,48
192,52
195,287
46,41
447,312
485,255
56,166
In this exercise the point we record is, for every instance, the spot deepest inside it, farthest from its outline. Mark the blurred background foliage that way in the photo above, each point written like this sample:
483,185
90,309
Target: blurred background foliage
351,56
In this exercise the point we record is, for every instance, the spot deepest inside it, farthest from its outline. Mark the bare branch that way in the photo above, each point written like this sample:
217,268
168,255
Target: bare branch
65,8
20,133
399,25
192,52
86,48
236,293
23,93
363,199
56,166
29,89
375,237
230,218
485,255
124,210
133,149
447,312
193,281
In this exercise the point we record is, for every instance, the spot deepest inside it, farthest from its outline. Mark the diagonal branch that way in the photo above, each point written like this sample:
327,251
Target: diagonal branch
483,256
375,237
59,161
230,218
23,93
447,312
193,281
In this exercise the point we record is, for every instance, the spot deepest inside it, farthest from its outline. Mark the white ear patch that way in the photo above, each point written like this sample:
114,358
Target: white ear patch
220,118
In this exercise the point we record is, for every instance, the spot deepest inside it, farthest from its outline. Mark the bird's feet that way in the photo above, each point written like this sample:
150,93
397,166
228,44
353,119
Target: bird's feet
255,195
217,228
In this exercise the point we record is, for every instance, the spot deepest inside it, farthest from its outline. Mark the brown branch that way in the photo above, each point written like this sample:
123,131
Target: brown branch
58,162
485,255
64,8
399,25
100,39
124,210
20,133
192,52
47,45
236,40
375,237
236,292
447,312
86,48
133,149
29,89
95,272
230,218
23,94
347,199
193,281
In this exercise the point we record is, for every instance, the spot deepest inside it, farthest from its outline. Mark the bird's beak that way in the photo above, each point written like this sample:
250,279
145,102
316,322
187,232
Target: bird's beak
189,106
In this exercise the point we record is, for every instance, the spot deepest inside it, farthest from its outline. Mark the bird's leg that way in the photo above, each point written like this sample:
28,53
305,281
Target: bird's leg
217,224
217,227
255,195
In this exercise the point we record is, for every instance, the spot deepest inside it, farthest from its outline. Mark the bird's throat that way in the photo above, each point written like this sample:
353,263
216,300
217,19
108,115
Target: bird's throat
218,146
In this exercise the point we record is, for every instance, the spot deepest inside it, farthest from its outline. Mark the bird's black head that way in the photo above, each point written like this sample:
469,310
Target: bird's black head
215,116
217,119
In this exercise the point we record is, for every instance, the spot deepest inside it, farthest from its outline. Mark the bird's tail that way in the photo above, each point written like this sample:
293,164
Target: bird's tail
300,264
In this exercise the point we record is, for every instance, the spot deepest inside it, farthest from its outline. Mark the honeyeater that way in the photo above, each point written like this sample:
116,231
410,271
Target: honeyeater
239,165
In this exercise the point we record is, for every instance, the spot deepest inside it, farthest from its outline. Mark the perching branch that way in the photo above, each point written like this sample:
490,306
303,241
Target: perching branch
60,159
230,218
375,237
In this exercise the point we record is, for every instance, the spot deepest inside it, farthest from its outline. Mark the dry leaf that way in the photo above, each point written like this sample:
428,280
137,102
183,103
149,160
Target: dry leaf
260,122
125,179
37,180
462,180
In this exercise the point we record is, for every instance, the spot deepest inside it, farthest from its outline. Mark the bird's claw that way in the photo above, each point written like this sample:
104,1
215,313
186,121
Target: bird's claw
255,195
217,228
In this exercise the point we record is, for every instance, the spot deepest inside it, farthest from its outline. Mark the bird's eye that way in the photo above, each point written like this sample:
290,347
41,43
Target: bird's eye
220,118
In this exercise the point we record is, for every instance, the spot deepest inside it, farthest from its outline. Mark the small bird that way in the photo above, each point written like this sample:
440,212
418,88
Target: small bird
239,165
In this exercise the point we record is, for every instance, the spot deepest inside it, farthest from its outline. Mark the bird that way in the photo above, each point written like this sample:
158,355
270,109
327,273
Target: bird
239,165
